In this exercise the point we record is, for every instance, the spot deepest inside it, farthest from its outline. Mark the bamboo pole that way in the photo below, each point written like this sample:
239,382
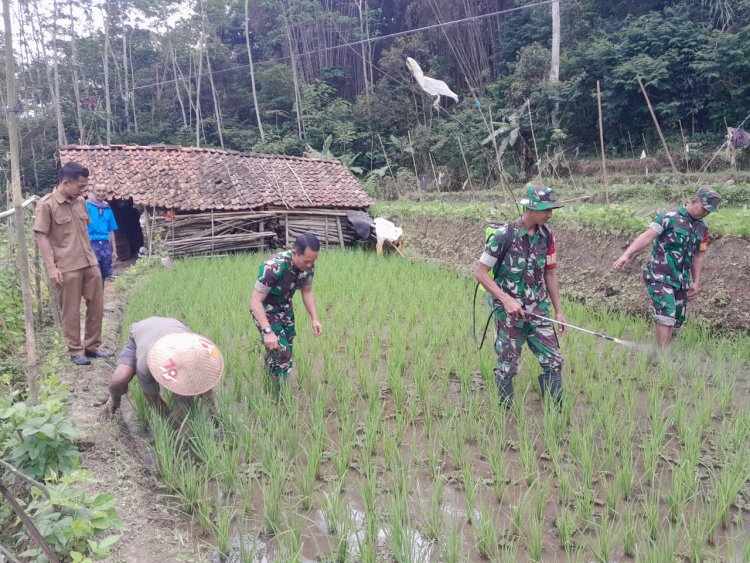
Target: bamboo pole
22,255
656,122
533,138
413,160
601,142
466,164
341,234
38,538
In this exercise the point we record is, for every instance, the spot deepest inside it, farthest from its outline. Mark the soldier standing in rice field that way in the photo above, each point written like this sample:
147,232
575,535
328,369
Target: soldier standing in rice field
271,302
518,269
673,273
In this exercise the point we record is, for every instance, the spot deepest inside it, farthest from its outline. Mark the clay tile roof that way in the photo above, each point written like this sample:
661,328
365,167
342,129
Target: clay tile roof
188,178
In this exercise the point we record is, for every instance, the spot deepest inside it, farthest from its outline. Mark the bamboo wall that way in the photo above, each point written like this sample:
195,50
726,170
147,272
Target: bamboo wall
218,232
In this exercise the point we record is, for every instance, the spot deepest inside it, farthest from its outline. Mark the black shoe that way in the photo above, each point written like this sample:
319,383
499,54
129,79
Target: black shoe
98,354
80,360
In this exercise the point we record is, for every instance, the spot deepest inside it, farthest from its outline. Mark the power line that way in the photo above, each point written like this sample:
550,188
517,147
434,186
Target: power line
355,43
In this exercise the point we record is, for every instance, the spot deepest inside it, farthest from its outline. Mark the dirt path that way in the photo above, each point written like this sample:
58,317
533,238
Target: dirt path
585,257
118,456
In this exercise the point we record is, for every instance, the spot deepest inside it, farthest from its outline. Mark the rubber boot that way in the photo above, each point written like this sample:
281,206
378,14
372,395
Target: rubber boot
505,390
551,384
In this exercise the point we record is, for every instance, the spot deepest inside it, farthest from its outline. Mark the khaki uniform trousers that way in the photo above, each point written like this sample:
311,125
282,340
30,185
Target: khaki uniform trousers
86,283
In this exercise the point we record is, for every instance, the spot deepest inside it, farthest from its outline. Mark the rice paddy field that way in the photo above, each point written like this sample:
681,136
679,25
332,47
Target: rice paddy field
389,445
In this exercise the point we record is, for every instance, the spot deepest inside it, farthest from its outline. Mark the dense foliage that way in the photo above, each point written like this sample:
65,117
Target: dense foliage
179,72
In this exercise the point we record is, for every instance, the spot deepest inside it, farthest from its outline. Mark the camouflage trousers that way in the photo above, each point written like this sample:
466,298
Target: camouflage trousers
510,336
670,303
279,362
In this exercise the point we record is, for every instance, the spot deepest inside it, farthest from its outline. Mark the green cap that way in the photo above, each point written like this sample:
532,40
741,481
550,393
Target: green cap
708,198
539,198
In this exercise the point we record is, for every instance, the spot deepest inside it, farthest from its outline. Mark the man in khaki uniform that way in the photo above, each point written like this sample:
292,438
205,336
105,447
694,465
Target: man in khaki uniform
61,226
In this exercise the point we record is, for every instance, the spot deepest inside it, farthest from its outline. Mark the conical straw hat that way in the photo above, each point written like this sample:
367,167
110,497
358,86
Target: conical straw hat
186,363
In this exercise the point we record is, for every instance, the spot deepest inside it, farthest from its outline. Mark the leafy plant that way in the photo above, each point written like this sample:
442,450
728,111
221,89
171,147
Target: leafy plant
71,522
39,438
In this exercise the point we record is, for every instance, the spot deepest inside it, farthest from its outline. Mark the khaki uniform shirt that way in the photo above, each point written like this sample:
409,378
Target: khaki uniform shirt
65,222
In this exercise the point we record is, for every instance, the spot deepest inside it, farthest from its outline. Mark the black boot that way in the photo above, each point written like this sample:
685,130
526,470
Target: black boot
551,384
505,390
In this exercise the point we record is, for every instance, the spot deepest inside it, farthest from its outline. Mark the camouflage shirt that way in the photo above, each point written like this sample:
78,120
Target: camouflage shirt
680,238
521,274
278,278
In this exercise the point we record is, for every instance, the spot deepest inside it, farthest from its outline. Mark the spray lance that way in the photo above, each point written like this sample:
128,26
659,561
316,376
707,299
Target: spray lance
631,345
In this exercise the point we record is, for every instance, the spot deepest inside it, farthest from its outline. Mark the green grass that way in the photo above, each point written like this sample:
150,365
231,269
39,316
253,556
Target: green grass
393,410
630,217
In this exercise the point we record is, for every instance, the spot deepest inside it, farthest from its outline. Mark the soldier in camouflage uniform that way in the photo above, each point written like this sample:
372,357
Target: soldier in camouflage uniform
271,302
525,282
673,272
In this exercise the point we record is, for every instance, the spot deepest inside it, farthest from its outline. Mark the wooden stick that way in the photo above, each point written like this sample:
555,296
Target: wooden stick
601,141
23,476
38,538
8,555
656,122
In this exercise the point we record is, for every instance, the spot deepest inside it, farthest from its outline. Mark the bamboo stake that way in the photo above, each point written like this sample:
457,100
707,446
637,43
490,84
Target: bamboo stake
326,235
466,164
22,256
413,160
656,122
387,162
24,477
533,138
8,555
601,141
38,538
341,234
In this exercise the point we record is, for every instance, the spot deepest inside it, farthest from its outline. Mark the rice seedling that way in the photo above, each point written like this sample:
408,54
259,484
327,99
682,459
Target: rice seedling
191,484
564,486
533,536
470,491
630,533
625,476
450,546
499,474
434,518
527,453
224,520
651,514
727,484
604,545
585,505
273,488
486,535
566,528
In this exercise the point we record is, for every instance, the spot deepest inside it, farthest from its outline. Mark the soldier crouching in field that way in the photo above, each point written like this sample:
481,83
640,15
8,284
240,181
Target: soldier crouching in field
673,272
271,302
518,269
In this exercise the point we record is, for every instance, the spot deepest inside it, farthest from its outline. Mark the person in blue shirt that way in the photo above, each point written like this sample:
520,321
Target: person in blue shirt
102,229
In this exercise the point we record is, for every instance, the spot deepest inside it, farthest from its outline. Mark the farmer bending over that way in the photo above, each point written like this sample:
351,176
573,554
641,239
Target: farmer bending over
164,352
673,272
271,302
517,268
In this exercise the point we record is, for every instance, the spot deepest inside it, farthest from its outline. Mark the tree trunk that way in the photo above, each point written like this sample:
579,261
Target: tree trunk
198,93
74,64
177,87
554,71
22,252
295,78
131,92
125,88
61,139
252,69
107,98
